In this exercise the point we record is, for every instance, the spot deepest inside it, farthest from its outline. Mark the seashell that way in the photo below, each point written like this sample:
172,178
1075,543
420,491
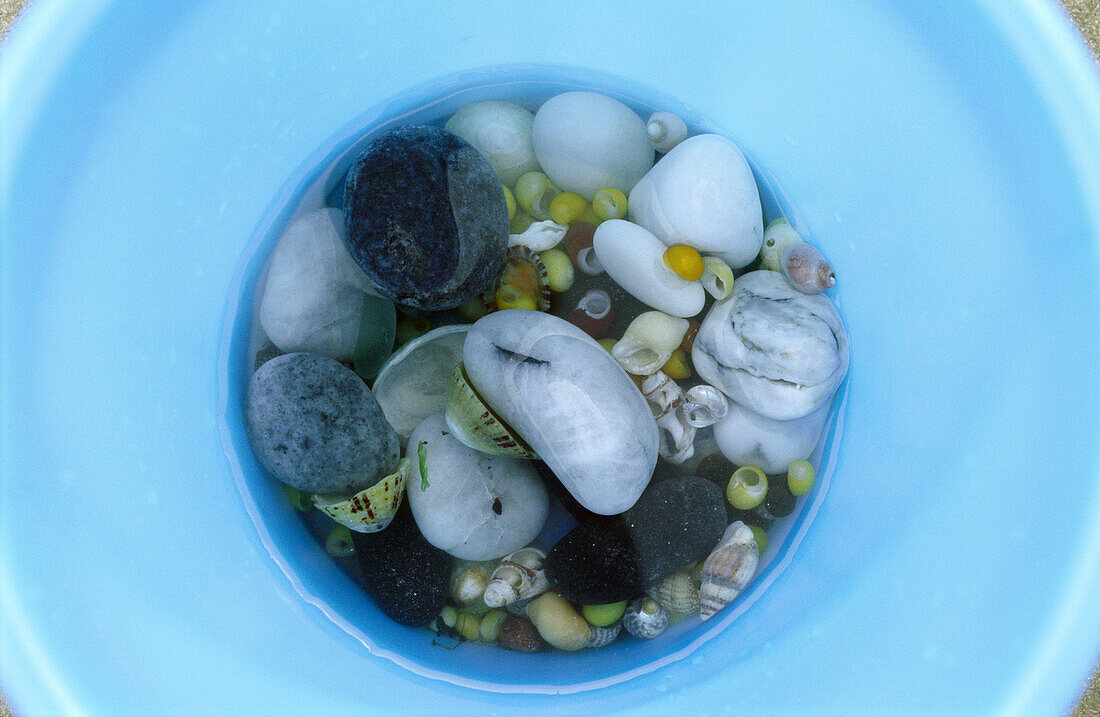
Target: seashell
518,576
728,569
578,244
677,593
704,406
491,624
805,267
558,622
634,258
717,278
703,194
593,314
677,436
370,510
779,236
501,132
522,284
665,130
747,438
414,382
603,636
540,236
648,342
586,141
475,425
774,350
468,580
569,400
645,618
519,607
559,270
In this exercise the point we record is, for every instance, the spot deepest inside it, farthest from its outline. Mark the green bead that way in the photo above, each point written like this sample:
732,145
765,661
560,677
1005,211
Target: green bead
761,538
800,477
339,544
747,487
603,615
377,330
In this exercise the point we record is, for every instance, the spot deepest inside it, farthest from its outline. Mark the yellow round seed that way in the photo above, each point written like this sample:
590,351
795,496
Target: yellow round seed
567,207
685,261
490,625
678,366
535,192
469,626
747,487
609,204
559,269
510,200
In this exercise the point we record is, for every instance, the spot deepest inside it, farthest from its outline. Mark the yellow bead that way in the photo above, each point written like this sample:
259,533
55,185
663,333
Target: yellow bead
685,261
678,366
589,217
509,297
469,626
535,192
559,269
609,204
761,538
567,207
607,343
510,199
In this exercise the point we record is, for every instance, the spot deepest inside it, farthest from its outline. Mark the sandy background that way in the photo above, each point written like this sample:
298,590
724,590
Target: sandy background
1086,13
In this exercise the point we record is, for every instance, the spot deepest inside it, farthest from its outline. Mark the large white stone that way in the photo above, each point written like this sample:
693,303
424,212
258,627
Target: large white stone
472,505
501,131
774,350
586,142
703,194
569,400
749,439
314,294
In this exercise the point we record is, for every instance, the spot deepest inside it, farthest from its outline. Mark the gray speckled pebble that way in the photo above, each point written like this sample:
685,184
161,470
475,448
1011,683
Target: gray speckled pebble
426,218
315,425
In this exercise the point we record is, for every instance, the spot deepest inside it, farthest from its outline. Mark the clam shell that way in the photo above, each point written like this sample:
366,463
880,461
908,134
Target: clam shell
371,509
519,576
728,569
474,423
649,341
645,618
677,593
603,636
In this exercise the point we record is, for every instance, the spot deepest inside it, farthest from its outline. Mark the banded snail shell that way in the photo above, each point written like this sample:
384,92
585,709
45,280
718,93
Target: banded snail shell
371,509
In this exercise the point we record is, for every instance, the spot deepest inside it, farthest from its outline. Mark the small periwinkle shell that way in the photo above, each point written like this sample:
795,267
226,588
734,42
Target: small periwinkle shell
519,576
703,194
728,570
602,636
807,270
468,581
586,142
645,618
634,258
371,509
665,130
677,593
648,342
593,314
501,132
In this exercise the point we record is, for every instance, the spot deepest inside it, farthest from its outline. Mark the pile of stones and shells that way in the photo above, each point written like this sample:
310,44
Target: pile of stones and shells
546,378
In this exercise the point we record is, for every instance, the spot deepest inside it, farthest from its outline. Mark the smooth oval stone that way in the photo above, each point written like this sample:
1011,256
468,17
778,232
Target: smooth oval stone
702,193
426,218
586,142
406,575
569,400
606,560
471,504
315,425
501,131
776,351
634,258
314,294
749,439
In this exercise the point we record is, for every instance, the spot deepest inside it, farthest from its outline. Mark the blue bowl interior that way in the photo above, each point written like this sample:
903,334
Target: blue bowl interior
945,155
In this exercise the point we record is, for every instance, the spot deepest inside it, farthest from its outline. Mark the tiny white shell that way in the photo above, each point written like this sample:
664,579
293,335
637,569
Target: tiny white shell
645,618
704,406
519,576
665,130
648,342
634,258
779,236
540,236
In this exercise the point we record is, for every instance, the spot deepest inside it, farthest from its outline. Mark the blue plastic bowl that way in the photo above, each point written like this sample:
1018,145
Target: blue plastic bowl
946,156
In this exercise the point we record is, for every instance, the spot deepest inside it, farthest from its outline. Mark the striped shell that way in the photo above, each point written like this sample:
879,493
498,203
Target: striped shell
474,424
519,576
645,618
677,593
523,274
371,509
603,636
728,569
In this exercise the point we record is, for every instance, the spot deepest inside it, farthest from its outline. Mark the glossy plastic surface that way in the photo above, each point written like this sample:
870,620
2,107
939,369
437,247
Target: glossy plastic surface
946,156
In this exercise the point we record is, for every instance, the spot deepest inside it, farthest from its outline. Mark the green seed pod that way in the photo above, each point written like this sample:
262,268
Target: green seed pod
603,615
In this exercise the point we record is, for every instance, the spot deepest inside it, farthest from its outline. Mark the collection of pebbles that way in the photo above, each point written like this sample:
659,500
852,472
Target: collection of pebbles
547,375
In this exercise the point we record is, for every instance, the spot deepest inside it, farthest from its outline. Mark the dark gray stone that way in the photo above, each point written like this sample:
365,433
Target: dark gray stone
406,575
608,559
426,218
316,426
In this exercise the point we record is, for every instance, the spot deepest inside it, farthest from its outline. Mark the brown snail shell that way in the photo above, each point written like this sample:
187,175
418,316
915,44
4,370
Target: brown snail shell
806,269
